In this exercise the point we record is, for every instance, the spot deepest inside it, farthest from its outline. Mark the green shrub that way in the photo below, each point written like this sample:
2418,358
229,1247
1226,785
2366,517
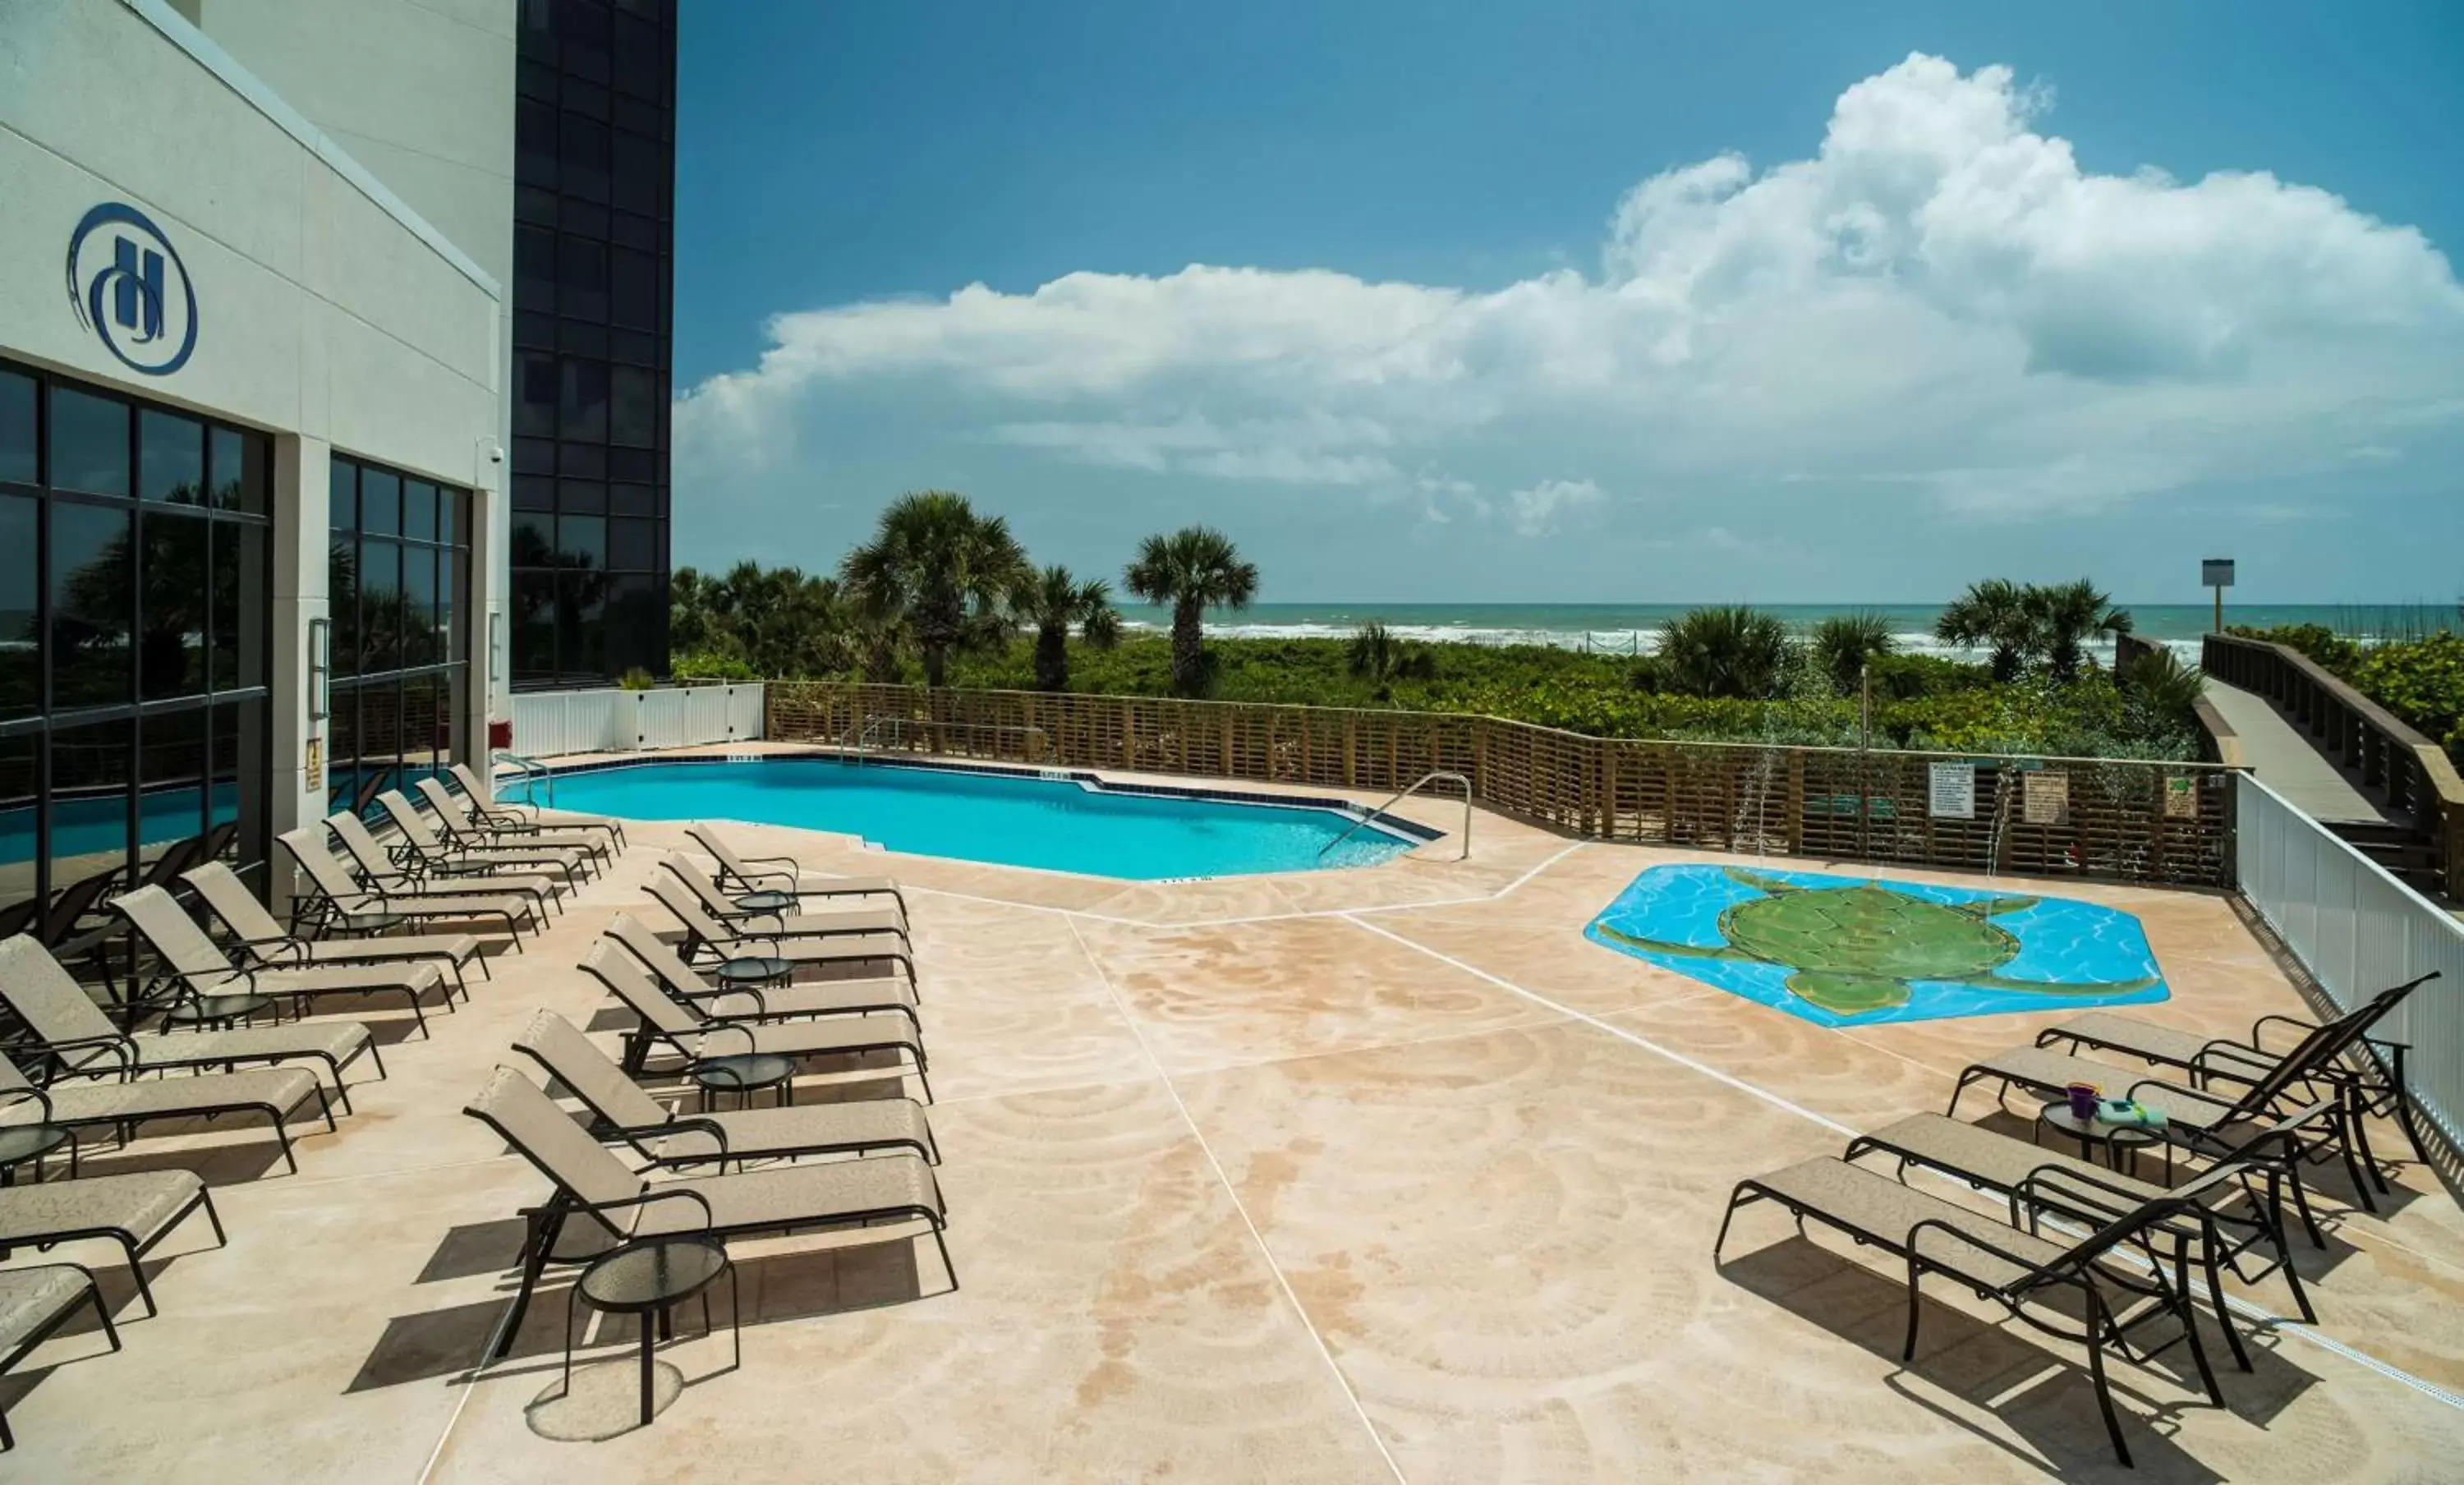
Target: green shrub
1905,677
1844,644
1733,652
2316,640
703,665
635,678
2421,680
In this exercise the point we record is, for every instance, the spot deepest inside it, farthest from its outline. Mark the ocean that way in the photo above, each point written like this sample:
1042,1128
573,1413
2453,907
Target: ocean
1633,629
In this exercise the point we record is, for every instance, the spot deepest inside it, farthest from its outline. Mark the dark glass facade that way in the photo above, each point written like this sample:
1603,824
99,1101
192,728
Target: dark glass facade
136,592
398,577
594,154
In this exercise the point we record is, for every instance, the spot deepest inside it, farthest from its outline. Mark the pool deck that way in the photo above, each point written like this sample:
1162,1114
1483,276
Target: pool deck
1359,1175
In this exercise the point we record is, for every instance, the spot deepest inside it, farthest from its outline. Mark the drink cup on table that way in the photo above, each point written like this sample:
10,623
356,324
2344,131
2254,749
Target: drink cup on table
2083,1099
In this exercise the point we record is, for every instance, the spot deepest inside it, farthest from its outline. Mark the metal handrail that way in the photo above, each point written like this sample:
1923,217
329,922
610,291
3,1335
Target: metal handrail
530,770
1431,777
865,736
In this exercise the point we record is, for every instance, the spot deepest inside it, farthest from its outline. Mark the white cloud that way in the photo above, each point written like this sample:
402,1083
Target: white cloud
1536,509
1939,303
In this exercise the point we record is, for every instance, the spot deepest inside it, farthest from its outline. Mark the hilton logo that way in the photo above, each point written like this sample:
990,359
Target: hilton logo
122,273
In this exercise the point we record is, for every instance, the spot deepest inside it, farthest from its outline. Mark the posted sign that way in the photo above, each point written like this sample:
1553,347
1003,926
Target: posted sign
1952,794
2217,572
2045,799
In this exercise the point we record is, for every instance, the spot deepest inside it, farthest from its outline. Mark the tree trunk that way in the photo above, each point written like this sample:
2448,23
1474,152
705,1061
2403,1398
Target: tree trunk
1052,658
1188,649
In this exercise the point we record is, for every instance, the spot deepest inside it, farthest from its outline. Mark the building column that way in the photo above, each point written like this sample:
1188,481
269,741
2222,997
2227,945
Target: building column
294,796
489,692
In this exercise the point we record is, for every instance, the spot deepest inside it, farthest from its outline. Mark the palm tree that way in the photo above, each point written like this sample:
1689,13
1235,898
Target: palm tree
1728,651
1193,570
1375,653
1845,642
1055,603
940,570
1994,613
2065,615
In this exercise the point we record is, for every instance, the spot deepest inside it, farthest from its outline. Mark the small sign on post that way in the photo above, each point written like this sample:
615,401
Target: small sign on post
2217,573
1952,791
2045,799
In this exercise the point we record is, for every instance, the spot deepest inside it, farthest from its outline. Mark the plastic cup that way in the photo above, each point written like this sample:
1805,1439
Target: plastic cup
2084,1099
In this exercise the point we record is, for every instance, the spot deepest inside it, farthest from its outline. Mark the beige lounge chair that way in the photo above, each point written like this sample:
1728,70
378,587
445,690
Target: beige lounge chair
510,815
438,854
831,922
662,1137
761,1002
725,941
404,870
34,1302
213,985
81,1041
276,1092
894,1191
341,903
694,1034
136,1210
468,825
785,874
262,941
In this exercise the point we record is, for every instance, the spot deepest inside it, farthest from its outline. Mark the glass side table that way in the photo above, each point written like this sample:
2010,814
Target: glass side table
20,1143
2120,1142
766,901
745,1075
649,1277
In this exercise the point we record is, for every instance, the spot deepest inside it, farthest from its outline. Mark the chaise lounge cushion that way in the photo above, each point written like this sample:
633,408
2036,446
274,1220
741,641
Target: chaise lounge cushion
140,1203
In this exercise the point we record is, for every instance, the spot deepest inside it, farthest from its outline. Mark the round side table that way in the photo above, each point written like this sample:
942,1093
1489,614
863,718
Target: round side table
766,901
2120,1141
752,969
745,1075
20,1143
218,1011
649,1277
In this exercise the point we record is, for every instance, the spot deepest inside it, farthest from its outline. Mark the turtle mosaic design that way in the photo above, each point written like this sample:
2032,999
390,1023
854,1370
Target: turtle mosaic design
1856,949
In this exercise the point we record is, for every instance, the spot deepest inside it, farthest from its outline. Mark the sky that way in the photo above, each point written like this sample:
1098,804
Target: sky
1587,301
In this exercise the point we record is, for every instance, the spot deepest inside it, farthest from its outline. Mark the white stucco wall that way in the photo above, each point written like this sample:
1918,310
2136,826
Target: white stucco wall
329,313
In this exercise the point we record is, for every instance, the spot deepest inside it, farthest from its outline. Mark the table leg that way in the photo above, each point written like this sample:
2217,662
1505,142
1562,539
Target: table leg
649,1324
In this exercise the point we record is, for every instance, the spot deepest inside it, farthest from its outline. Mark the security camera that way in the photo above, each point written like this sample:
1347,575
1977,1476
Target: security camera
495,456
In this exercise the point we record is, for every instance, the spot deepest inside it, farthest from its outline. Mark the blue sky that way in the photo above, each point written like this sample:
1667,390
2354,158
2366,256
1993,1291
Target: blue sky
1598,301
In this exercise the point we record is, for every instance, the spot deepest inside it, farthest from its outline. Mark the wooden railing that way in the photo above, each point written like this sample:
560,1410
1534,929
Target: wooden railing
2128,819
2411,776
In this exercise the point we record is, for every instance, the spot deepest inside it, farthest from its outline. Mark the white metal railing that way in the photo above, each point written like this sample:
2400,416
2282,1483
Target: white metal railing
2358,930
555,723
1432,777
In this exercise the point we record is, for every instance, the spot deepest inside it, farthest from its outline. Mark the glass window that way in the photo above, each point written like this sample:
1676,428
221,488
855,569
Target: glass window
175,581
449,605
582,219
582,278
533,640
170,457
172,780
584,411
89,442
342,496
534,492
93,591
21,655
380,503
17,799
89,800
638,465
585,460
587,99
633,546
534,538
380,607
532,204
535,393
641,174
640,58
633,289
581,157
582,541
380,725
16,428
237,791
536,455
241,635
420,725
533,142
632,501
531,327
582,606
343,602
581,496
632,405
633,348
582,338
635,617
535,266
419,510
450,520
242,471
343,746
419,645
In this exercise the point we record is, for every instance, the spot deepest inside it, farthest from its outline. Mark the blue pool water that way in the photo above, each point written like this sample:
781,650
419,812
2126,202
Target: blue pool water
1053,823
1994,951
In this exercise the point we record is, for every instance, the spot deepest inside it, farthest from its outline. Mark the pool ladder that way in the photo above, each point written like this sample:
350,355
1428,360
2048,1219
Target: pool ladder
1434,776
528,771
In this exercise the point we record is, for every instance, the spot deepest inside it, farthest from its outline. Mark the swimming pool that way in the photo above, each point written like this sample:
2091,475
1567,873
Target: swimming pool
1059,825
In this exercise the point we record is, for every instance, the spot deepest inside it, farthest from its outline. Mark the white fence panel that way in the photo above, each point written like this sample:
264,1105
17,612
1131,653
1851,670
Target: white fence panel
2358,931
555,723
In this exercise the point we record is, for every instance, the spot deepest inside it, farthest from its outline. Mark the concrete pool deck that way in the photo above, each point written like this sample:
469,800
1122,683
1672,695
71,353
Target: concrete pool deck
1357,1175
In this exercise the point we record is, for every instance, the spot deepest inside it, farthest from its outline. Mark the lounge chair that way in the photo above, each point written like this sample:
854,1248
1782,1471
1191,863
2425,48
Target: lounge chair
69,908
592,1182
276,1093
2204,1056
34,1301
80,1040
466,825
136,1210
2237,1218
694,1034
490,808
340,903
665,1138
2209,1124
262,943
435,853
403,870
761,1002
726,941
784,874
207,977
830,923
2022,1271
